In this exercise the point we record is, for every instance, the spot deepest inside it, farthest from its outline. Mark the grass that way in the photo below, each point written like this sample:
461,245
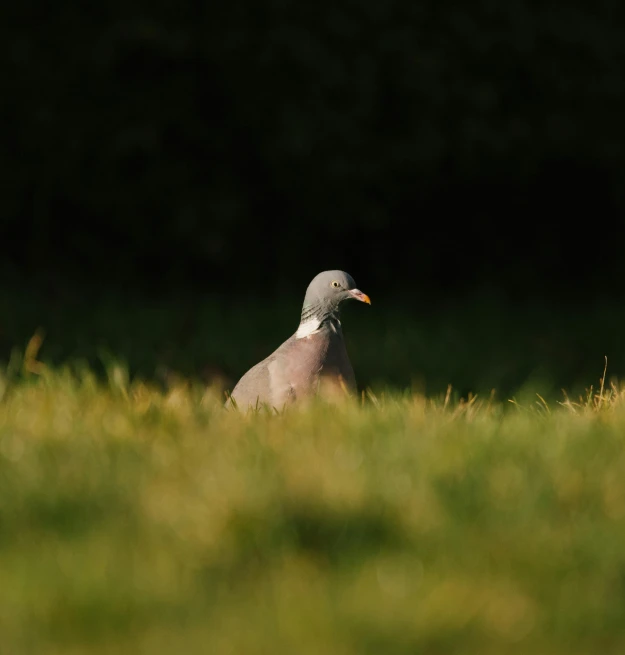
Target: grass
136,519
477,342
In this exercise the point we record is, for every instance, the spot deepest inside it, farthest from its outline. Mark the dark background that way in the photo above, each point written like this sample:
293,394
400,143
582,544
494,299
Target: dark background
175,175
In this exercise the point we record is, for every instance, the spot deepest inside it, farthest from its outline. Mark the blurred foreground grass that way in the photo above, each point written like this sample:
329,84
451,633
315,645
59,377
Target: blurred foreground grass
136,520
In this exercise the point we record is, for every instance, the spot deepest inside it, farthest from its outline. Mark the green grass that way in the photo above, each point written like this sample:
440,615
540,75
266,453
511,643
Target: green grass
476,343
141,520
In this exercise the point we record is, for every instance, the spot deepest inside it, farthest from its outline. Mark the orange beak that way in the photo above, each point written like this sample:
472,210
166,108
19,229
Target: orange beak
359,295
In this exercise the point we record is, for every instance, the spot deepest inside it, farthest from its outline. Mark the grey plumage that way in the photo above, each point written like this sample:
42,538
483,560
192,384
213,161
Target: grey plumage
314,357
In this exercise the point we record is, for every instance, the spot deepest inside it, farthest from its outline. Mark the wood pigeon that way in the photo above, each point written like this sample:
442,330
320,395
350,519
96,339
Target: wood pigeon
314,357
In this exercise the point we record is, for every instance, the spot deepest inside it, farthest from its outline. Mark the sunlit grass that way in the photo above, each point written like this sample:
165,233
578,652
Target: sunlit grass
135,519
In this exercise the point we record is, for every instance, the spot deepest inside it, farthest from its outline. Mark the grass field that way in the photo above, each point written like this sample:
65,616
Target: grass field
477,342
142,520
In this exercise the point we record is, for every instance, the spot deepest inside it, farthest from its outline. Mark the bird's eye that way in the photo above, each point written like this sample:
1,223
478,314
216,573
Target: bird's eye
336,284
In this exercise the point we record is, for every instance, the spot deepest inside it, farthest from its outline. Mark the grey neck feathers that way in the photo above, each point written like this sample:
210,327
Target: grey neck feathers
325,315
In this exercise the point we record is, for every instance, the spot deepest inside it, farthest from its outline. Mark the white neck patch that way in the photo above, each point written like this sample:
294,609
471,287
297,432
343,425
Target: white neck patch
305,329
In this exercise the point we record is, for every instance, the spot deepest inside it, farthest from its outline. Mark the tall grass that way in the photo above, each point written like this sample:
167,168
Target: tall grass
141,520
476,342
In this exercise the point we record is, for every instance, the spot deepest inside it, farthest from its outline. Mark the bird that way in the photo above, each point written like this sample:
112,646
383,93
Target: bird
313,359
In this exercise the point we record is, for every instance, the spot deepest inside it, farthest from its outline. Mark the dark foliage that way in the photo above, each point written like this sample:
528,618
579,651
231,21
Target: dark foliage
191,143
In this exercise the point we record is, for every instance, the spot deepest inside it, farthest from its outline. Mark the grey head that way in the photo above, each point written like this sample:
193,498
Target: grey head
325,294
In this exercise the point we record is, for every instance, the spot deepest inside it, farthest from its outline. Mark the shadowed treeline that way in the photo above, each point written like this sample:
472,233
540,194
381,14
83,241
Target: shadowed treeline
436,144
